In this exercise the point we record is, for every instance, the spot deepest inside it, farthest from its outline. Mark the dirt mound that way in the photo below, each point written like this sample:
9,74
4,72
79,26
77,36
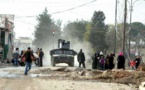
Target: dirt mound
138,74
121,74
141,67
112,74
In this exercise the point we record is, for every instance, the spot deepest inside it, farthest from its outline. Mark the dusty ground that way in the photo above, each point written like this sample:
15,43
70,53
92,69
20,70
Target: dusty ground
28,83
53,78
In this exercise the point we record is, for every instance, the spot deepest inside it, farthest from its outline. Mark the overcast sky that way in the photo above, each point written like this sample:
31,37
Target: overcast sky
25,26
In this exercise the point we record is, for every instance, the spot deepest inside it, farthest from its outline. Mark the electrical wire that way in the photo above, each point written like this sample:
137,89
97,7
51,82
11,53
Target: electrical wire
63,10
26,22
74,7
46,2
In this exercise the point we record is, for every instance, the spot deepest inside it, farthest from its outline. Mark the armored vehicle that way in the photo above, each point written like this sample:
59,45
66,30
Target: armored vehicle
63,54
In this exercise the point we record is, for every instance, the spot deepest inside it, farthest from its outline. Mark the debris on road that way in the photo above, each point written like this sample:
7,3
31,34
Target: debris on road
69,73
141,67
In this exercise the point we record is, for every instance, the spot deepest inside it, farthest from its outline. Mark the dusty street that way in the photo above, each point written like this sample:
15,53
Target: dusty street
28,83
52,78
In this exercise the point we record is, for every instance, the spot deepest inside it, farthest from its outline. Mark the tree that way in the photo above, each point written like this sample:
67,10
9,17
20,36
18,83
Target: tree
88,31
137,33
98,31
137,28
110,38
75,29
45,28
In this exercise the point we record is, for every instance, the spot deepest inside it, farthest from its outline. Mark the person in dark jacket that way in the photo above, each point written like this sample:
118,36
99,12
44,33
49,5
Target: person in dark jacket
107,62
95,62
98,57
41,54
81,58
121,61
111,60
137,60
16,57
28,57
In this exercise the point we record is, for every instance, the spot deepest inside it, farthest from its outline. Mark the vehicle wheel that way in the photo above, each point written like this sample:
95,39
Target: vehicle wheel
71,64
52,63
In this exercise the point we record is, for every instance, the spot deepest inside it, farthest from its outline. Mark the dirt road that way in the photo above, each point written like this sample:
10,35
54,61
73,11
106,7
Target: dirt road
13,78
28,83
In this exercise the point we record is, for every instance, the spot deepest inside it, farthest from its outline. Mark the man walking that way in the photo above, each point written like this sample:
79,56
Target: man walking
16,57
36,55
37,52
28,57
41,54
81,58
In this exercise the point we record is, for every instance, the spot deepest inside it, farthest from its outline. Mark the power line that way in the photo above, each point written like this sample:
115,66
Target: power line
26,22
48,2
74,7
63,10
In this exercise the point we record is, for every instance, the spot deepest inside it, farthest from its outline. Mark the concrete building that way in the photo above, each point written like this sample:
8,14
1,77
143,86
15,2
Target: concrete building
7,37
23,43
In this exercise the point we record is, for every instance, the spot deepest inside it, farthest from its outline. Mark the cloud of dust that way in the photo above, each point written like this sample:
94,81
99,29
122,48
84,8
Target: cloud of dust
47,47
75,44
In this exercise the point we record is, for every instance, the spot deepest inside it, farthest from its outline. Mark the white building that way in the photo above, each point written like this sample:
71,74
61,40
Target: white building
23,43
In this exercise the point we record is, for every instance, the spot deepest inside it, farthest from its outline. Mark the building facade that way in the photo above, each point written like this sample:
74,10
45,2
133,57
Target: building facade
23,43
6,36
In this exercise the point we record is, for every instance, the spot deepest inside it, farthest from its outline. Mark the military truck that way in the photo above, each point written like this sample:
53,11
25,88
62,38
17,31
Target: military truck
63,54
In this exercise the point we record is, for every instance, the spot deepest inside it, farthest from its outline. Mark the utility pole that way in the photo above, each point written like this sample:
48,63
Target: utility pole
131,9
115,26
125,16
53,39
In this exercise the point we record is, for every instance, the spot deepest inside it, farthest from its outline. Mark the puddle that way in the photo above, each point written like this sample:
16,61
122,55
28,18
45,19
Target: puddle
2,74
18,68
35,75
9,75
38,75
12,68
18,72
13,75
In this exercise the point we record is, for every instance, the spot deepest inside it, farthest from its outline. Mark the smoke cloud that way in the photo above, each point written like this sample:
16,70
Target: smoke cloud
75,44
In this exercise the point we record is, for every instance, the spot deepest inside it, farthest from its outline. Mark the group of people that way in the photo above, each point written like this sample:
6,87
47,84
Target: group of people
39,57
101,62
27,57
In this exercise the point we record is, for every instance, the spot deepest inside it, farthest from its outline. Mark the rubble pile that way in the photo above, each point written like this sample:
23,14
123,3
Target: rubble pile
85,73
138,74
116,76
97,74
121,74
110,76
141,67
43,71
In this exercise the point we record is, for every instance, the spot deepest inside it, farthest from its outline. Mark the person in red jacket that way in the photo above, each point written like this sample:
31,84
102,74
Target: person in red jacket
132,64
